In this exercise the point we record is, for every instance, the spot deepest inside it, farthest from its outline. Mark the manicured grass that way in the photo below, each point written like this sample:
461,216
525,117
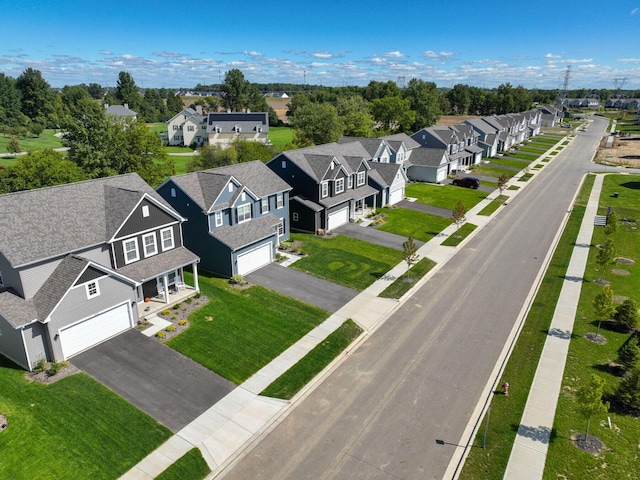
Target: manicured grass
506,412
177,149
74,428
7,161
510,162
157,127
444,196
489,171
280,136
191,466
290,382
343,260
513,187
522,156
403,284
181,163
462,233
526,177
494,205
529,148
241,330
410,223
29,143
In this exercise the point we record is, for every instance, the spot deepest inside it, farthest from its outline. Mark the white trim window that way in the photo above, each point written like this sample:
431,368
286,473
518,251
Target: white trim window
149,243
324,189
217,218
243,213
93,290
360,179
350,181
339,185
281,228
166,234
280,200
295,216
130,249
264,205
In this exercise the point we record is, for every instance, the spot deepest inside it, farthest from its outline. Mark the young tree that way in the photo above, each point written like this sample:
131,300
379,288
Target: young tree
628,391
604,306
410,252
606,256
612,224
459,215
14,145
503,180
212,156
629,353
590,402
627,314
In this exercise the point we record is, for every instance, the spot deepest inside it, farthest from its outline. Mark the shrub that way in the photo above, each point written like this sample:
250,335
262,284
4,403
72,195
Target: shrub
165,312
628,392
627,314
160,334
285,244
182,322
176,306
188,300
41,365
170,328
629,353
237,279
55,368
198,295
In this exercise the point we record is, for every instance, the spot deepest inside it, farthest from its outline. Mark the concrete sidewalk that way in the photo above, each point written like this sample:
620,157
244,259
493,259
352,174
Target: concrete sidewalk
232,425
529,452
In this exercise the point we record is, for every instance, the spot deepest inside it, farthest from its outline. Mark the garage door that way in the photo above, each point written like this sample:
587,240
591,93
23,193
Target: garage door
253,260
94,330
396,196
338,218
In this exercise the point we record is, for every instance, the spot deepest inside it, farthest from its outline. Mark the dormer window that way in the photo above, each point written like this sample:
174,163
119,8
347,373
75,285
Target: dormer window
1,281
259,128
361,179
324,189
339,185
350,181
237,129
218,129
130,248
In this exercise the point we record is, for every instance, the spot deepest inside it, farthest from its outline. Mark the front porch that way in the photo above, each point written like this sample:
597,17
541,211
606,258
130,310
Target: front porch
159,303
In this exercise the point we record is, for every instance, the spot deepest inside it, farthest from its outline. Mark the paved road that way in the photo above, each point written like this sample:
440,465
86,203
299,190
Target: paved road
420,376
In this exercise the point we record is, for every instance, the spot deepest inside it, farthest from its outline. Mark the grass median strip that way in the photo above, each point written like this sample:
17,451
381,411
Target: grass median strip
290,382
191,466
494,205
463,232
404,282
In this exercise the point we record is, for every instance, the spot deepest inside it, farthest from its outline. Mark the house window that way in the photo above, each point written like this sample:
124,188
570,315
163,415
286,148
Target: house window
264,205
360,180
175,127
218,129
173,192
243,213
284,164
145,211
281,228
131,250
167,238
190,128
350,181
92,289
339,185
218,218
230,187
295,216
1,281
149,242
280,200
325,189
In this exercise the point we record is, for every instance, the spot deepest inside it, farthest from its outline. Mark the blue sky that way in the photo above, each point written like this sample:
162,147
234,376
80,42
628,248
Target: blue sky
328,42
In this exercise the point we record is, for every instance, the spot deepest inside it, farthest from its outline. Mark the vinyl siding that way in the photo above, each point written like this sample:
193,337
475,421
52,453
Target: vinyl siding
34,276
11,344
138,223
119,250
10,277
37,342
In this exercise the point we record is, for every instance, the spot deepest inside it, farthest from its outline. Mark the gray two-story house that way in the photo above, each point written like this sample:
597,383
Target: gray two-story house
237,215
79,261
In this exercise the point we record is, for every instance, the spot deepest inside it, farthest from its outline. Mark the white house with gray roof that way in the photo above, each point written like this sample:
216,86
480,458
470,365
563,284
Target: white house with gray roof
237,215
78,262
188,127
224,128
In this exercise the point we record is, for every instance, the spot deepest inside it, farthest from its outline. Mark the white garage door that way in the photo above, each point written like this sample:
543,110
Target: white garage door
338,218
396,196
94,330
253,260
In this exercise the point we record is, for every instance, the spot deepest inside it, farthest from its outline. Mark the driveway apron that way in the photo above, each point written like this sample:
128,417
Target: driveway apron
373,235
302,286
165,384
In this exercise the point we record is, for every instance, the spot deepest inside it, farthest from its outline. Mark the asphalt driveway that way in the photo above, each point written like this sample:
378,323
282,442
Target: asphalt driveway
373,235
423,207
165,384
303,287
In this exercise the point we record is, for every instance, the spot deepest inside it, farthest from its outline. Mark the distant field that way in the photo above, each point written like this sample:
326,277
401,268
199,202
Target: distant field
45,140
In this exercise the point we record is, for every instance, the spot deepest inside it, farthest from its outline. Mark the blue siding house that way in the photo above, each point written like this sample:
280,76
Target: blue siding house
237,215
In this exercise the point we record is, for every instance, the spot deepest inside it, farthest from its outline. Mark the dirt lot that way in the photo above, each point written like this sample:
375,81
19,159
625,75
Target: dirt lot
625,151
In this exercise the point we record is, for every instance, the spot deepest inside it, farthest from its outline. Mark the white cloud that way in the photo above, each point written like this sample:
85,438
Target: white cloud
634,11
440,57
395,54
552,56
252,53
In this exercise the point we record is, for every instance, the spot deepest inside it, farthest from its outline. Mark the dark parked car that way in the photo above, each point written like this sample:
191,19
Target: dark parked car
469,182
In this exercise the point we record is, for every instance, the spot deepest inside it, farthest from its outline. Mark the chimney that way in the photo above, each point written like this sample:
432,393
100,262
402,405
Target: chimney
228,110
126,105
248,111
199,109
106,105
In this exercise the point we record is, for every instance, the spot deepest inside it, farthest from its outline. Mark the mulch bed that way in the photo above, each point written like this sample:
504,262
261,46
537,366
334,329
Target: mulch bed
588,443
46,378
617,271
592,337
182,312
625,261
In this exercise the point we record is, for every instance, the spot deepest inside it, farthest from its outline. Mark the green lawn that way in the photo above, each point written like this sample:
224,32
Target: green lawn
444,196
280,136
510,162
241,330
522,156
463,232
404,282
29,143
494,205
526,177
191,466
181,163
489,171
157,127
290,382
409,223
72,429
344,260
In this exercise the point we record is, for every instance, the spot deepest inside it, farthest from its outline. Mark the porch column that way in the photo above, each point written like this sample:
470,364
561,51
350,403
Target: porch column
165,280
194,267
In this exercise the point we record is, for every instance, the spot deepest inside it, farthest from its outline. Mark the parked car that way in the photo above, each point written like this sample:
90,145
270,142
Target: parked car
469,182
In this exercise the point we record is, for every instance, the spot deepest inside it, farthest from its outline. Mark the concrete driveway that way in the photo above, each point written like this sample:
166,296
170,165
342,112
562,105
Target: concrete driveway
303,287
373,235
165,384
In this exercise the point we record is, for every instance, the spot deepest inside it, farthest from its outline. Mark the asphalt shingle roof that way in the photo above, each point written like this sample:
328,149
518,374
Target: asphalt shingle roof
243,234
164,262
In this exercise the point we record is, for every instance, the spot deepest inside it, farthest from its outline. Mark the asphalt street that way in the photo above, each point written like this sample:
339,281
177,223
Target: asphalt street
418,378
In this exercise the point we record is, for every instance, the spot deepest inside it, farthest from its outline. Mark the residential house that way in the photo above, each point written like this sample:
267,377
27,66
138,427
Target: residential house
487,136
470,139
390,180
237,215
78,262
451,141
330,184
225,128
431,165
188,127
550,116
120,112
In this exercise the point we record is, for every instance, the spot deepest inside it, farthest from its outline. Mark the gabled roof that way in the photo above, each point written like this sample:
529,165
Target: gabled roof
247,121
205,186
373,146
385,173
409,142
120,111
247,233
54,221
429,157
482,126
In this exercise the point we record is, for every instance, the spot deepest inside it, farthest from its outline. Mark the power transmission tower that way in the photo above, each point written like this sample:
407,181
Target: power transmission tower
619,83
400,81
565,85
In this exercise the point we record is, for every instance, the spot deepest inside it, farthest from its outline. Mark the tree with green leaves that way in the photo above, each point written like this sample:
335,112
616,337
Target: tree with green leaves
250,151
236,91
590,402
96,91
315,124
612,224
36,95
14,145
424,100
628,391
393,114
410,252
459,214
43,168
375,90
459,99
629,353
603,306
627,314
9,101
503,180
606,256
355,115
174,104
212,156
127,91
